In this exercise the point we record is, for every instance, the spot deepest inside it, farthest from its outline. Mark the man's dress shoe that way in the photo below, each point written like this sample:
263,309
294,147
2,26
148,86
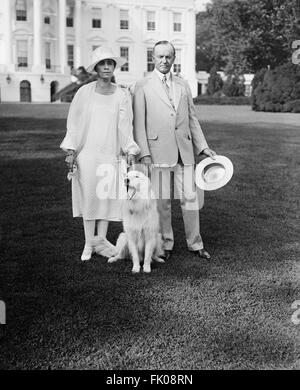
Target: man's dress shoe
203,254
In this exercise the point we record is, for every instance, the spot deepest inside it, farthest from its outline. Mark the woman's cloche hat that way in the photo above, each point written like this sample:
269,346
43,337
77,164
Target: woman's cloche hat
104,53
212,174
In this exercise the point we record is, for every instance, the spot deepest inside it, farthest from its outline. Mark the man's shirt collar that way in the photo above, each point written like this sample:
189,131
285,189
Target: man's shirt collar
161,75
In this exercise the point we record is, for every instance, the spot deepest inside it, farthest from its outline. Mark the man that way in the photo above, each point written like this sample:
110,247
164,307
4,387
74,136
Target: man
169,135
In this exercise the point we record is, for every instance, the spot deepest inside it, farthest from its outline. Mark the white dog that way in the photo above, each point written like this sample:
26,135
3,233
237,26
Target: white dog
141,239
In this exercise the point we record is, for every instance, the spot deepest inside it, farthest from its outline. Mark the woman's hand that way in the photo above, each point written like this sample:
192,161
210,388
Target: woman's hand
70,159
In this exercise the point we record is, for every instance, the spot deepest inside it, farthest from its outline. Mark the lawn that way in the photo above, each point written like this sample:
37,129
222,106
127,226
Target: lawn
233,312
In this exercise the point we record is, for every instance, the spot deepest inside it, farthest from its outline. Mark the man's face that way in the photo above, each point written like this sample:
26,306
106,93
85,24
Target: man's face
163,58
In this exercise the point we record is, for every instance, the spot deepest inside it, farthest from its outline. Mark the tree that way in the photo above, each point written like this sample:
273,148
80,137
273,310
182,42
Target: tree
250,35
205,57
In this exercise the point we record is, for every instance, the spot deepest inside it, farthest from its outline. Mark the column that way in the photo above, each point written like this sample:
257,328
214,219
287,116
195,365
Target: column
112,16
190,50
78,10
62,36
8,34
166,31
37,40
138,61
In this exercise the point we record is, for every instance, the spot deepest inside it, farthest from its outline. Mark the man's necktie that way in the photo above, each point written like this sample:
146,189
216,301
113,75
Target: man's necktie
167,89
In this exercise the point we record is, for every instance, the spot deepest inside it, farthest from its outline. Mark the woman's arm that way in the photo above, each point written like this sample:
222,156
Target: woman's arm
74,121
127,143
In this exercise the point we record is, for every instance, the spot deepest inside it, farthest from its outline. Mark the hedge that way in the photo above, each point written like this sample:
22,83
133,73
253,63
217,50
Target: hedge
222,100
277,90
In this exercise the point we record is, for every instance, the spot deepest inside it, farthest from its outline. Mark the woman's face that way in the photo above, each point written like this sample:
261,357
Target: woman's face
105,68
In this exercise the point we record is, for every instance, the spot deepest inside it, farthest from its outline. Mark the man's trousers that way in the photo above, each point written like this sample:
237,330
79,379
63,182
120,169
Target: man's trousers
191,201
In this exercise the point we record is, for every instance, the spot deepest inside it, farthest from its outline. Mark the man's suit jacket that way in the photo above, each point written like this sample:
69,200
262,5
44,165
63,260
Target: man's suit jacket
159,129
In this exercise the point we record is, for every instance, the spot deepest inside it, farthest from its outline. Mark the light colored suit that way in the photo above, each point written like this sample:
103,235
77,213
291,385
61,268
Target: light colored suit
158,126
163,132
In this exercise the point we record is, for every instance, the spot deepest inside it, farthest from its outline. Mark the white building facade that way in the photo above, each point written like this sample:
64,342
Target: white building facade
42,40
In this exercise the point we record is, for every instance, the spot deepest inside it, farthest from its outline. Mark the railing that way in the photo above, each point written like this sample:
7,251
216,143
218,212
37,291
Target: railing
28,68
20,68
53,69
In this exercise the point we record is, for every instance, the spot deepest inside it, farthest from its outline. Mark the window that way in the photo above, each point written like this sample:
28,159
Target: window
177,21
70,17
70,51
22,54
124,52
48,55
96,18
150,20
69,22
177,62
150,65
47,20
124,19
21,10
94,47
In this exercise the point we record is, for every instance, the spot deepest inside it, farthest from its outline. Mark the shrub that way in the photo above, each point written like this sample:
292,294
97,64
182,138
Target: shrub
292,106
222,100
256,87
215,82
234,86
277,90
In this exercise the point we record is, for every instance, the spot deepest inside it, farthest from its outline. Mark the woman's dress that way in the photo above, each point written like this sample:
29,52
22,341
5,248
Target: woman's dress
99,129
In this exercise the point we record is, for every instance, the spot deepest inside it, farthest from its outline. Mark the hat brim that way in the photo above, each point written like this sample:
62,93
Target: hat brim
120,61
222,163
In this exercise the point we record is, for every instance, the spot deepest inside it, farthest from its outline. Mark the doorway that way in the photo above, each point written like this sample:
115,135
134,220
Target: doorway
53,90
25,91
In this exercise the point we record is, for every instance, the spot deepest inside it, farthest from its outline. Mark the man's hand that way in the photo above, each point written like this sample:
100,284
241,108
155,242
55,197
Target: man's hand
209,153
146,160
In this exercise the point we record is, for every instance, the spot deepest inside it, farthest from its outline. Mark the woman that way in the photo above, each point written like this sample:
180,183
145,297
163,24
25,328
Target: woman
99,130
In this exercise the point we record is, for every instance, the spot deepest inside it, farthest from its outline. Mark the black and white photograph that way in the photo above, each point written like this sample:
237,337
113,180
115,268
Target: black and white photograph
150,177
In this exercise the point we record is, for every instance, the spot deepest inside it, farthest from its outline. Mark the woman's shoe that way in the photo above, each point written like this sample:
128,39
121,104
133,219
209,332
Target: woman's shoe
87,253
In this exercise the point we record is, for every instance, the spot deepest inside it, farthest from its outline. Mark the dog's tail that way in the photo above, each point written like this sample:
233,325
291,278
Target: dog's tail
122,246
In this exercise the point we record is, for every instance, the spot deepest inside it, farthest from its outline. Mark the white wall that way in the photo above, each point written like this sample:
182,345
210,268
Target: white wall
137,38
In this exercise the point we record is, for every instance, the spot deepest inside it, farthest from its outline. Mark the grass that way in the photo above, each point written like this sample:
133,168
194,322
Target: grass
231,313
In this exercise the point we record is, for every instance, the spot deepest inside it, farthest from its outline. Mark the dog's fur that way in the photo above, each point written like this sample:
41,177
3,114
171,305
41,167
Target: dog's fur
141,239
